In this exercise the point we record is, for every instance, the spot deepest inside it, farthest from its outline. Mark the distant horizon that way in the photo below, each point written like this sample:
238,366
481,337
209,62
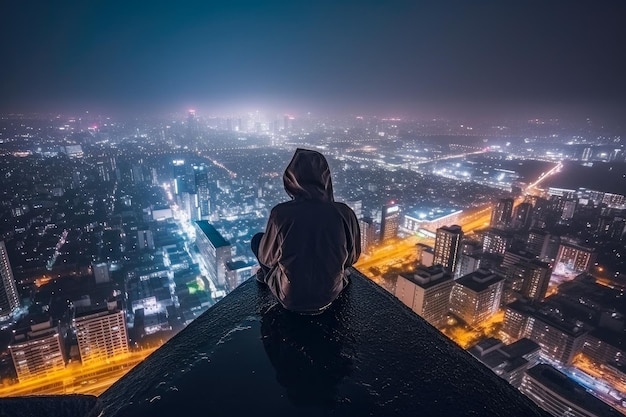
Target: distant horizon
607,114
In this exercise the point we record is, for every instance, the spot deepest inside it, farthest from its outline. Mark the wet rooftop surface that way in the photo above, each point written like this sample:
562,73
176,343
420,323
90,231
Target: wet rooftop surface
366,355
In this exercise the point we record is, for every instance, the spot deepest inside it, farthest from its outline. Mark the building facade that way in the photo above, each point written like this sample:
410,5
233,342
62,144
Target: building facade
476,297
215,251
37,350
389,223
447,247
101,334
426,292
9,299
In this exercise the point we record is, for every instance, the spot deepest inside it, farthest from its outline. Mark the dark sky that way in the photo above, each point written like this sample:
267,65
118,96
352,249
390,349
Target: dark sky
378,56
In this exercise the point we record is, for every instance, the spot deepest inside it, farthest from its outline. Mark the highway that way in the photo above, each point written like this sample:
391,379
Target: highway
91,379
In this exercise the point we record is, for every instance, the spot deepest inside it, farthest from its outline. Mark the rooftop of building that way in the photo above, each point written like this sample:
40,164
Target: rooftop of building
493,353
561,385
215,237
479,280
368,354
520,348
428,276
235,265
455,228
549,313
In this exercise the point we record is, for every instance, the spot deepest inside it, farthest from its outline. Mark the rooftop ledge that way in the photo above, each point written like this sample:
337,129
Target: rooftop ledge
367,355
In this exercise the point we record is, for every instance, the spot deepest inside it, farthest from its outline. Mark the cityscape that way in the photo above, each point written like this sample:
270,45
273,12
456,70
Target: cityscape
117,234
481,146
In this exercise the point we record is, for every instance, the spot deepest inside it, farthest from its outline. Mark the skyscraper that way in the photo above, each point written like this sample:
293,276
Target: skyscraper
9,299
368,234
522,216
390,220
215,251
202,189
447,246
101,334
536,277
502,213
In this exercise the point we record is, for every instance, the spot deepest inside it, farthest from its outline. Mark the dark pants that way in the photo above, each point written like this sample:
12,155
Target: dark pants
254,245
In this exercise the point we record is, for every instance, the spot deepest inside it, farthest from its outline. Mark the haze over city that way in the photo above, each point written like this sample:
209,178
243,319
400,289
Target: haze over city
446,59
480,145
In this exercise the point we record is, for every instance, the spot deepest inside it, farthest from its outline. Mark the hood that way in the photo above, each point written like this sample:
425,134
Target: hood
308,176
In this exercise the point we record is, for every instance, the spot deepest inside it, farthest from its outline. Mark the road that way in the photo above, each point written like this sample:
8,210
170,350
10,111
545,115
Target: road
79,379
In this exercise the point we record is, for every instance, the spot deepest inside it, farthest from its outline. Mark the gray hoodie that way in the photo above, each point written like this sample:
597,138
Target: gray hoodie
310,240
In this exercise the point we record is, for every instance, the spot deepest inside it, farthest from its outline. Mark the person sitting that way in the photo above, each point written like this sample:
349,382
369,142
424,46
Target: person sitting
309,241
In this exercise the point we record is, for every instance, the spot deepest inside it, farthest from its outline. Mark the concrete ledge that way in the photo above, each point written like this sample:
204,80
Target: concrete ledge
367,355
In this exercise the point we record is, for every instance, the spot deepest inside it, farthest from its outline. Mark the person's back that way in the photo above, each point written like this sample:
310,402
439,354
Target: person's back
310,240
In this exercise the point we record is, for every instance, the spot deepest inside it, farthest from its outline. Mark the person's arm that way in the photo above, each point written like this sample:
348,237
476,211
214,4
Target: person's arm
353,239
269,248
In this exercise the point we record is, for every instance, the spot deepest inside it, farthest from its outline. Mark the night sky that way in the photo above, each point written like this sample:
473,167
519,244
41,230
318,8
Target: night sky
376,56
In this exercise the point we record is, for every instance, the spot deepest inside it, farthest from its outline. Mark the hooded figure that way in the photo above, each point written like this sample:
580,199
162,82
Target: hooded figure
309,241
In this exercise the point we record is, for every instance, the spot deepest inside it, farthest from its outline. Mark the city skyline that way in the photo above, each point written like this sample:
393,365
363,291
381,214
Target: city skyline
481,146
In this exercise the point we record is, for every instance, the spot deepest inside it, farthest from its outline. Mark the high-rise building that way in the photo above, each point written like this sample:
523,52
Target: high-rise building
553,391
202,189
215,251
502,213
575,257
37,349
528,278
368,234
467,264
522,216
513,256
427,292
447,246
560,337
389,222
237,272
469,258
476,297
497,241
101,334
538,242
9,299
509,362
536,277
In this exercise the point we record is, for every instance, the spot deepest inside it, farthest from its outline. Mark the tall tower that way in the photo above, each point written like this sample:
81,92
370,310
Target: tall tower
367,233
389,222
447,245
214,250
202,189
522,216
536,277
501,214
9,299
